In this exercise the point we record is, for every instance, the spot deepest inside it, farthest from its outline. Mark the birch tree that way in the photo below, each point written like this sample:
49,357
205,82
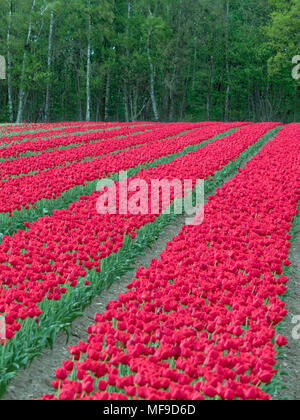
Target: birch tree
88,66
50,46
22,79
9,83
151,66
227,96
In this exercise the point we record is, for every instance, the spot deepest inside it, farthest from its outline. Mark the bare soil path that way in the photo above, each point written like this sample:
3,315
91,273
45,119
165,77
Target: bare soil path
291,361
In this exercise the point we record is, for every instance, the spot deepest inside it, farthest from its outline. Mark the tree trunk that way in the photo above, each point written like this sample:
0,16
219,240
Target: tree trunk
126,106
184,95
166,97
107,95
22,90
88,67
98,111
194,65
127,72
295,103
152,90
172,100
254,107
228,88
210,88
10,95
78,87
118,105
127,28
135,103
50,43
177,63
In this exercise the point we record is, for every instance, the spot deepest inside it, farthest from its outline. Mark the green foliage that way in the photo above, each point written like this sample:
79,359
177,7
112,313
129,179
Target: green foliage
284,35
211,60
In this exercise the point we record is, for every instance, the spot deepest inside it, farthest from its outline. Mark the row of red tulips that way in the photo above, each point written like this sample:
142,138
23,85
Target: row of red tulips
53,140
16,128
39,144
46,130
200,321
58,157
56,250
27,190
47,126
23,127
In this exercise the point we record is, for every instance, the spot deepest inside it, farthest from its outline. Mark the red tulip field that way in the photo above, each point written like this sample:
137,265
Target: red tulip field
201,322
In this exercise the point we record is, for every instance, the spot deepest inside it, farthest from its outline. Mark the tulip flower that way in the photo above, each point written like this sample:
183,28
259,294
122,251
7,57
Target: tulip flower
281,341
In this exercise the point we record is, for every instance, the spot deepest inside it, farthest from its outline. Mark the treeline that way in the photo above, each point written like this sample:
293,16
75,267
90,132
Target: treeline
165,60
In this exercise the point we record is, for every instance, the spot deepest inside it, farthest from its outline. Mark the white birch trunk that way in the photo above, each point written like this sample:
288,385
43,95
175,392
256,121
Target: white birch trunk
88,67
126,82
107,95
227,97
50,43
126,102
152,82
9,85
22,90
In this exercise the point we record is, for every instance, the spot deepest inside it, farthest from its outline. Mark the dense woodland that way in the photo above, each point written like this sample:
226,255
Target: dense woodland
165,60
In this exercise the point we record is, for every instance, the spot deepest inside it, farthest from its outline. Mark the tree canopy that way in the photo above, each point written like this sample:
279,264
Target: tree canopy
165,60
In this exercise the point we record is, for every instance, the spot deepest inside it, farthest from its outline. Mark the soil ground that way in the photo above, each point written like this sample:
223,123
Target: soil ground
291,361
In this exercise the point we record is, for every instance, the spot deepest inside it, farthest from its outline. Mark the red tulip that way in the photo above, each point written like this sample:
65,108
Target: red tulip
281,341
